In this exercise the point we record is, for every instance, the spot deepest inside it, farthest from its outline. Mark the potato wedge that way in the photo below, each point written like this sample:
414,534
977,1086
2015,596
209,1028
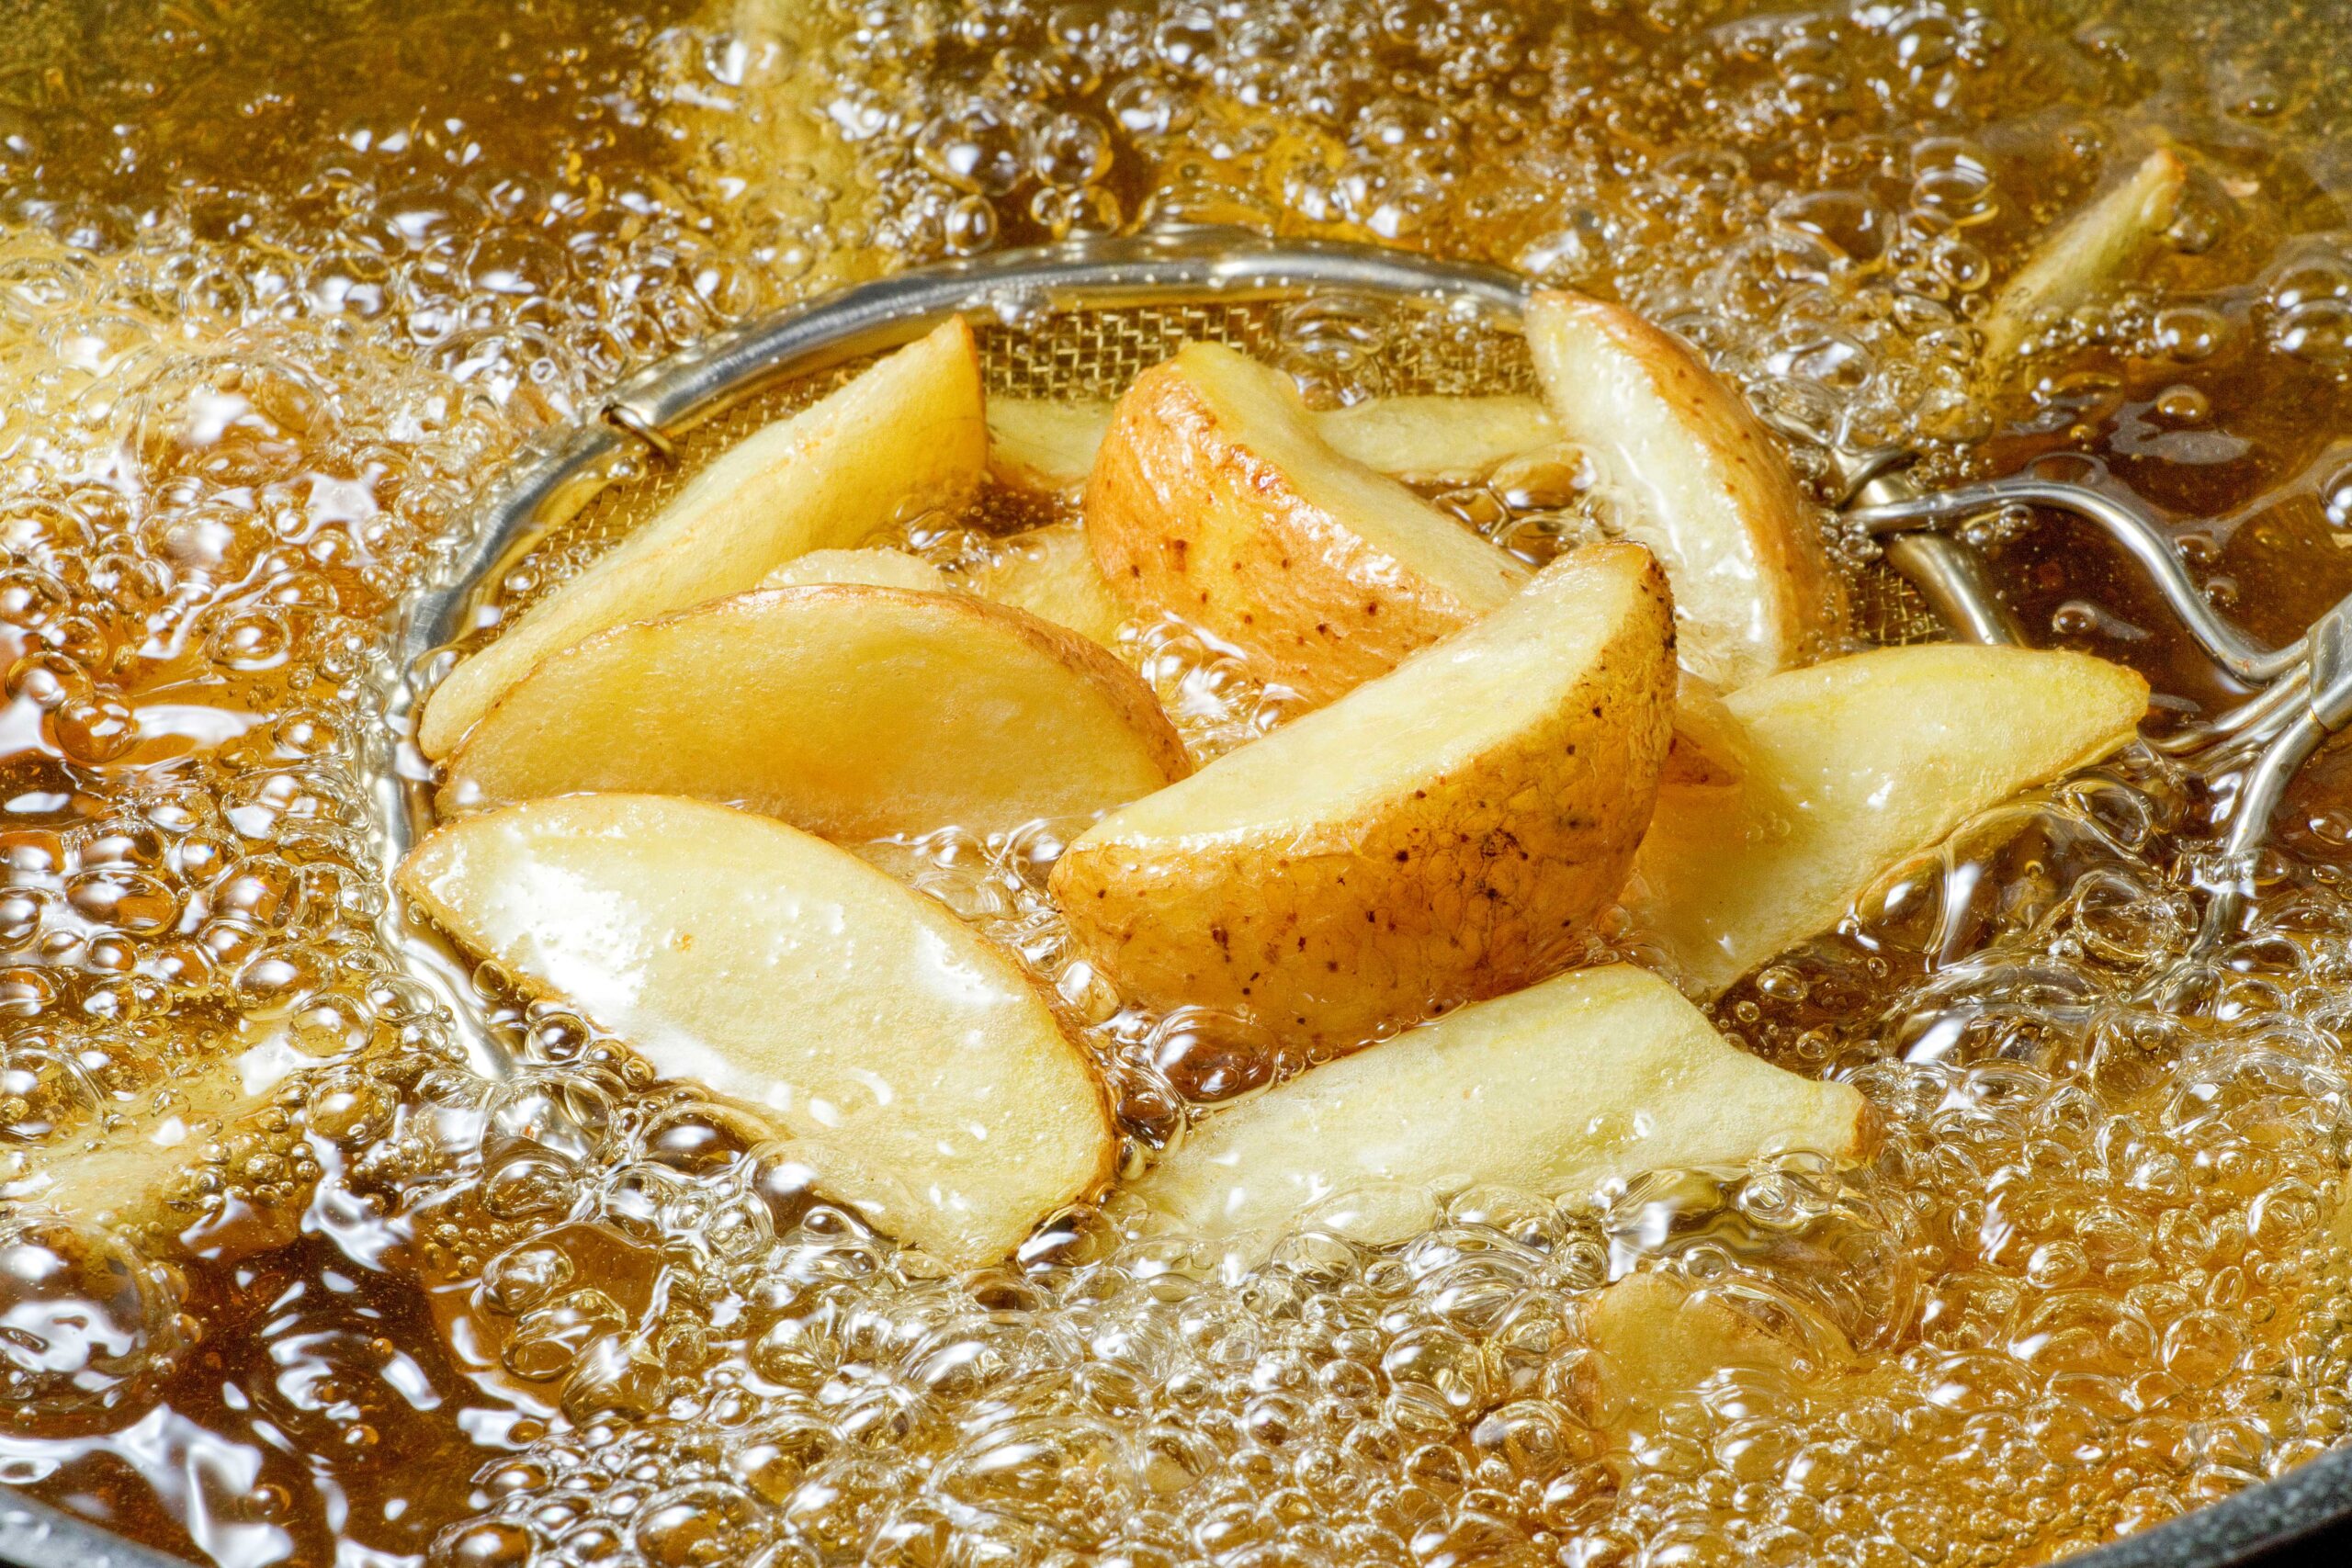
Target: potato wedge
1440,834
1048,448
873,568
1594,1076
1215,499
920,1070
2090,252
1709,750
1853,765
152,1165
1660,1339
1050,573
1693,477
1425,440
905,436
849,710
1041,447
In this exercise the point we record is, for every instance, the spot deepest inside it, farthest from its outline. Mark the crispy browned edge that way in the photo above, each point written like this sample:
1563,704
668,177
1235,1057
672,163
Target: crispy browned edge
1793,551
1319,561
1107,1161
1134,700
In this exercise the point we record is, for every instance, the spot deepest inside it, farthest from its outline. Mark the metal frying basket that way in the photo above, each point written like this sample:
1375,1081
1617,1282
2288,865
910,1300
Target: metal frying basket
1081,320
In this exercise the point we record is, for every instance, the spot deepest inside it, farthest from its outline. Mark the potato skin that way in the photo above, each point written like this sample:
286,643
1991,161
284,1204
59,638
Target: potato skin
1802,600
1477,882
1185,516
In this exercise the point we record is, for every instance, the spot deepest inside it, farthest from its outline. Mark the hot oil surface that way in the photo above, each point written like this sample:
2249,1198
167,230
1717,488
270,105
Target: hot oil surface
281,287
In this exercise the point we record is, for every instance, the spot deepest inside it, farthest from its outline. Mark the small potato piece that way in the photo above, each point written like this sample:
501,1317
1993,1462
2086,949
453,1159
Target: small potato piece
1044,447
1428,440
905,436
918,1068
1047,447
849,710
873,568
1594,1076
1695,478
141,1165
1660,1339
1438,834
1215,498
1710,750
2088,252
1050,573
1854,765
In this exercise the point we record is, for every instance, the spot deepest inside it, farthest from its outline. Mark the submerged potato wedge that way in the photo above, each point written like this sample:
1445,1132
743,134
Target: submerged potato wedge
1050,573
1438,834
920,1070
2090,252
142,1165
1692,476
907,435
1594,1076
1048,448
874,568
1853,765
1215,498
1660,1339
849,710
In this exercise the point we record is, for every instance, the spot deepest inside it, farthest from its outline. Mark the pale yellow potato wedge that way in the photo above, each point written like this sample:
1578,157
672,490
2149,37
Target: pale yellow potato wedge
905,436
1050,573
1691,474
1215,498
849,710
920,1070
1426,440
1440,834
1854,765
1043,446
2090,252
873,566
152,1165
1594,1076
1048,448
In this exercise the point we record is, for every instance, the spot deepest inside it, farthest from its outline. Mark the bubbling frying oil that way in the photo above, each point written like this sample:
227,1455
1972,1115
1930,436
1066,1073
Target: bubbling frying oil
281,286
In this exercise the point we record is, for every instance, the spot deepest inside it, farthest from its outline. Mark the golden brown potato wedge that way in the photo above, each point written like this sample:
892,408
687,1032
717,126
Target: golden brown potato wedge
2088,252
1592,1077
1050,573
920,1070
1438,834
905,436
1694,477
849,710
1852,766
1215,498
1048,448
873,568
